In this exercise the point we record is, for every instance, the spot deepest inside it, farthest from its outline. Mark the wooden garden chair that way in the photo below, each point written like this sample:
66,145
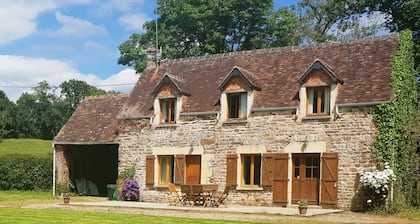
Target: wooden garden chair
176,197
220,197
187,195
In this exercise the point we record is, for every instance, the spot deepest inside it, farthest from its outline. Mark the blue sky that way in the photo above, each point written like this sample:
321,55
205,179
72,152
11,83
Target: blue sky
58,40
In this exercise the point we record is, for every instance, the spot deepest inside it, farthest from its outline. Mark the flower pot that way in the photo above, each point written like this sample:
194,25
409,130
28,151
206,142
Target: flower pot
66,200
303,210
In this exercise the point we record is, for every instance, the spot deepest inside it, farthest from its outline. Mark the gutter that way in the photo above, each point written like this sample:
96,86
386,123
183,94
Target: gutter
273,108
362,104
85,143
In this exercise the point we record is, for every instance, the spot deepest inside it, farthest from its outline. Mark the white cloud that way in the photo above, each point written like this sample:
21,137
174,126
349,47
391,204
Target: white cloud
120,80
133,22
75,27
19,18
122,6
18,72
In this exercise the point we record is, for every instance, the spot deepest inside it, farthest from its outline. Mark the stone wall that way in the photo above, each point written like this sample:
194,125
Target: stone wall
350,135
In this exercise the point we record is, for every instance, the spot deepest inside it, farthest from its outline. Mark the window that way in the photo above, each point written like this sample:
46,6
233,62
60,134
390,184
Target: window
251,170
318,101
167,110
166,169
237,105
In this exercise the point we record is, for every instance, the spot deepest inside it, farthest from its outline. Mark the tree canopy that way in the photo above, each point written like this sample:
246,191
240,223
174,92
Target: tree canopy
41,113
198,27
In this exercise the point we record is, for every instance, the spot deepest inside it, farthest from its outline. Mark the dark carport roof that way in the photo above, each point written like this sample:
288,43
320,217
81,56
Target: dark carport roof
94,121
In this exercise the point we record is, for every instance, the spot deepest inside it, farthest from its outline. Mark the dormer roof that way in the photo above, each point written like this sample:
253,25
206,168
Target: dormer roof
246,76
174,81
319,65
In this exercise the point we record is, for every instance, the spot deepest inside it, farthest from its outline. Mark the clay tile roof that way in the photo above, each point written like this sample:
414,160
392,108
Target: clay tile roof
363,66
94,121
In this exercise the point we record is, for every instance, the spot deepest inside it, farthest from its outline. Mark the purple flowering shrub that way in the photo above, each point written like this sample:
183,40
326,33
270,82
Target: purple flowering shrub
130,191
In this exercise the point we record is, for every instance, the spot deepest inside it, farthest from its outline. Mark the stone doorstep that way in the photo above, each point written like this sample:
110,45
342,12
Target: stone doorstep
290,210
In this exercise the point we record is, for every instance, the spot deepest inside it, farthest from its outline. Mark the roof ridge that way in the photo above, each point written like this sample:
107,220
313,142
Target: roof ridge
119,95
276,49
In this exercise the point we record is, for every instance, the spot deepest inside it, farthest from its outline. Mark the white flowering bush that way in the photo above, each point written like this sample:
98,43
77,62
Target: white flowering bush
376,185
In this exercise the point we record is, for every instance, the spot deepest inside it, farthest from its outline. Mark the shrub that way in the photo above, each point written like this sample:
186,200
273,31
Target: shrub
130,191
19,172
376,185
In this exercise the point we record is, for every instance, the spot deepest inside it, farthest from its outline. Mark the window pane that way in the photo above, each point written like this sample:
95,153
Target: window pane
297,162
172,110
308,173
315,161
257,169
315,102
166,168
233,104
327,100
316,173
297,172
322,99
247,170
163,170
164,108
308,161
311,101
243,106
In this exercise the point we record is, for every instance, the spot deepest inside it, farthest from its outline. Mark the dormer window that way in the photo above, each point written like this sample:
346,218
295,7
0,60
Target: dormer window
167,111
237,105
318,99
237,95
318,92
167,104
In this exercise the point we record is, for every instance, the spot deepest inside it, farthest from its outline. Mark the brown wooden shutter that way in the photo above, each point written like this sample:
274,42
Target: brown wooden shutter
231,169
267,169
329,180
150,170
280,178
179,169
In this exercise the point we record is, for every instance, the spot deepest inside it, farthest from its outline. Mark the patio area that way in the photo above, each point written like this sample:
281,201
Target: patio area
292,210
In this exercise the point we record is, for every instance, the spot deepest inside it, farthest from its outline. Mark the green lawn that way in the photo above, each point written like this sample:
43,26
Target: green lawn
20,215
34,147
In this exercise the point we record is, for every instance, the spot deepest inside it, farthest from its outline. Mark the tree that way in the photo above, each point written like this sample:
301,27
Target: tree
73,92
7,109
197,27
38,117
326,20
401,15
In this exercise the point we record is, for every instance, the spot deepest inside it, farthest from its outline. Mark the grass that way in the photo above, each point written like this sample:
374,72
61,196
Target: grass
19,215
34,147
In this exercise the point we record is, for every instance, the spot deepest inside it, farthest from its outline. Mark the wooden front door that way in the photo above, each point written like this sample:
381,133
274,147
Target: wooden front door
193,169
305,178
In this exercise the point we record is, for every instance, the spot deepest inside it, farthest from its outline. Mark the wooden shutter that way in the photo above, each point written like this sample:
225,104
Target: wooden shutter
231,169
179,169
280,178
267,169
329,179
150,170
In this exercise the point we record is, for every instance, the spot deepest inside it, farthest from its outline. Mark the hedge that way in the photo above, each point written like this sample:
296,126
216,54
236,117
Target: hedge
21,172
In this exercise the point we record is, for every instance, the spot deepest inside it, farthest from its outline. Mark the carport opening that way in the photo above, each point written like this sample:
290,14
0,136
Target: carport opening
92,164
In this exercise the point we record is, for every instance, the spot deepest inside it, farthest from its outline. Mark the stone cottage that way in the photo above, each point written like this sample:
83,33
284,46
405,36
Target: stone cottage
280,125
